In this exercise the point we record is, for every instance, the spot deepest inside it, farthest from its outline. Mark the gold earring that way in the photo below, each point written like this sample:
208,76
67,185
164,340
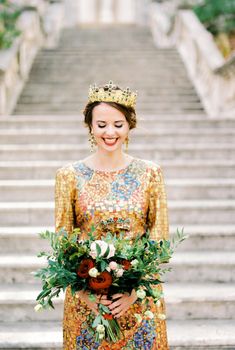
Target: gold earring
127,142
92,141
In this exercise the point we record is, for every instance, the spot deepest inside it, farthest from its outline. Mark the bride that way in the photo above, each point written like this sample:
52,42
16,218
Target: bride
111,184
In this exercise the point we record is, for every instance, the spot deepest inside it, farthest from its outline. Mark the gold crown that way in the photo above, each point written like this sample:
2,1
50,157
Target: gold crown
110,93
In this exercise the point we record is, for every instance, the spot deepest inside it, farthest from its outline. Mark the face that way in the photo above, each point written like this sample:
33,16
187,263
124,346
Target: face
109,126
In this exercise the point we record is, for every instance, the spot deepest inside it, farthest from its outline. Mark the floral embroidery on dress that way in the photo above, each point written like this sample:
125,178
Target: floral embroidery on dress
124,186
83,174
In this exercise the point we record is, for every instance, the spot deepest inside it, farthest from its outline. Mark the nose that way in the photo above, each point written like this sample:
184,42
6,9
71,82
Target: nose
110,130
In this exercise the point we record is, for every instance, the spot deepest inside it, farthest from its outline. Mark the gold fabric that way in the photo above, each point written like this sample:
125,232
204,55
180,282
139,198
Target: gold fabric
136,194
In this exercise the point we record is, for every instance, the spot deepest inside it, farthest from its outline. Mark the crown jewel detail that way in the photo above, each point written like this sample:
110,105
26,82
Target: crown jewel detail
110,93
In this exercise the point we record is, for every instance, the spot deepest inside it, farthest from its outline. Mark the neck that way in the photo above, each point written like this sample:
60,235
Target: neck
110,160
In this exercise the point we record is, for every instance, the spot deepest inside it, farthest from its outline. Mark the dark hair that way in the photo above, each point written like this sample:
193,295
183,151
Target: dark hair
129,112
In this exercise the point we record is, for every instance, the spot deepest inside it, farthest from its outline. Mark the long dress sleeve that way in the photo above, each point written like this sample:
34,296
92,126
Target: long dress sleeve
64,199
157,222
157,219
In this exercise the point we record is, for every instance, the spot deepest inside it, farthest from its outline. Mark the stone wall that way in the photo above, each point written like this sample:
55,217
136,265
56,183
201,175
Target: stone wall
211,74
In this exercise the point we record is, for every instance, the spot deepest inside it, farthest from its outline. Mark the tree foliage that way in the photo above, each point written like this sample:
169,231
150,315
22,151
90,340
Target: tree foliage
217,15
9,14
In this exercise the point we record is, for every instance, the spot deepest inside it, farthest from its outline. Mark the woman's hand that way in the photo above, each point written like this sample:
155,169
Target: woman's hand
121,303
93,305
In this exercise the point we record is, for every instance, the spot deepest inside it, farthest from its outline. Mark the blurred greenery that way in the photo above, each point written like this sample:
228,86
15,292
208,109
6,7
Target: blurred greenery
218,16
9,14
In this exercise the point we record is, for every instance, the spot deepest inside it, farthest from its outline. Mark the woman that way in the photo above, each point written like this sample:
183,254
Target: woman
130,192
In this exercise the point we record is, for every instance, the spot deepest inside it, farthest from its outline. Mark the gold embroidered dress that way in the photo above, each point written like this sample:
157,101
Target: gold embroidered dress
135,195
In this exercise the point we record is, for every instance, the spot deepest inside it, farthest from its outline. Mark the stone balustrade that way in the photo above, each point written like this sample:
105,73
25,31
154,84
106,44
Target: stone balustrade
39,27
212,75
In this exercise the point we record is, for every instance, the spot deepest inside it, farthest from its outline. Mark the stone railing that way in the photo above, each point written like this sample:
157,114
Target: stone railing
212,75
39,27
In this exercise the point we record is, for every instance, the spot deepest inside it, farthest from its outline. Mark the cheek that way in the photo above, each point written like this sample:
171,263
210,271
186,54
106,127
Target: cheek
124,132
98,131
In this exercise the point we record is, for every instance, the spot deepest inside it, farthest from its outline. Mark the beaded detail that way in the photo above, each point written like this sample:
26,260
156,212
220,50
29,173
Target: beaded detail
131,200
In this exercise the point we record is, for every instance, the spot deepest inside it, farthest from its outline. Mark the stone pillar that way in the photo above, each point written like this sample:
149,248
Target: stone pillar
142,12
86,11
70,13
106,14
126,11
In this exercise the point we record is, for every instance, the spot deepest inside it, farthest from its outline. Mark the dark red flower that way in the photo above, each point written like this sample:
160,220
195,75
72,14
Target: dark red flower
85,266
103,281
108,316
126,264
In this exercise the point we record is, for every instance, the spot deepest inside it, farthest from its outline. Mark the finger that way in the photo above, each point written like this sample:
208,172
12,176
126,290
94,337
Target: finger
105,302
117,310
120,314
115,304
118,295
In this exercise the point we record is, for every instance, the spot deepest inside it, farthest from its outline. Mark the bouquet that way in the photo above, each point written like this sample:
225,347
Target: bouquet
109,265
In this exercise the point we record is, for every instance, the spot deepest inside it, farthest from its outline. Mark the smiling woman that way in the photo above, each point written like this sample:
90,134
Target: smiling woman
116,193
109,124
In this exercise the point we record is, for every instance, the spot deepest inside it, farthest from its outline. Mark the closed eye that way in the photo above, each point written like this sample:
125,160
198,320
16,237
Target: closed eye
103,126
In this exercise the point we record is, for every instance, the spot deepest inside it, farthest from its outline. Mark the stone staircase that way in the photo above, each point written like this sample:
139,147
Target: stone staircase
197,155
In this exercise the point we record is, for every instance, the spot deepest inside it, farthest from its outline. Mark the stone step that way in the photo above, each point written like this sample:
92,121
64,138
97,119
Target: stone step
25,239
217,169
155,152
157,71
75,122
179,82
28,96
17,302
43,190
70,109
194,266
58,103
150,92
202,266
182,335
31,335
201,334
184,212
71,136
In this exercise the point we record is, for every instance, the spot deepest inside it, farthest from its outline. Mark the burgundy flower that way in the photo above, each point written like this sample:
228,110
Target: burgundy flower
85,266
103,281
126,264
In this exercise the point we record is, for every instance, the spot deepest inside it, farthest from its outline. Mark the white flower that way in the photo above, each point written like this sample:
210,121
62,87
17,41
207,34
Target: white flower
158,303
119,272
149,314
93,272
113,265
134,262
157,293
100,328
103,247
138,317
141,293
38,307
111,251
101,335
161,316
93,252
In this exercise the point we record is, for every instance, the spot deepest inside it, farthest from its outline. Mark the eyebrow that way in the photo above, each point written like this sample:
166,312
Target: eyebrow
116,121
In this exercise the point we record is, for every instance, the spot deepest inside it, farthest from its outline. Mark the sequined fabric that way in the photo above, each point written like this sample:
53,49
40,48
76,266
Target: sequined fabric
131,199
